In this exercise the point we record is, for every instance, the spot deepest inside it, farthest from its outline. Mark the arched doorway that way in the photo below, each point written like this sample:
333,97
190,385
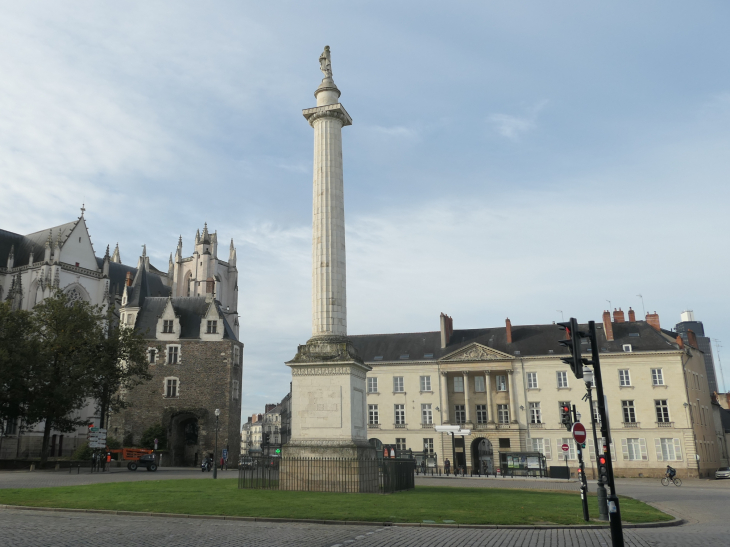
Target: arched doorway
184,445
482,456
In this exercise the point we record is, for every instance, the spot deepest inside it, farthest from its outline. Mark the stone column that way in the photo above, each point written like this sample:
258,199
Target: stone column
490,397
512,403
467,407
328,402
445,391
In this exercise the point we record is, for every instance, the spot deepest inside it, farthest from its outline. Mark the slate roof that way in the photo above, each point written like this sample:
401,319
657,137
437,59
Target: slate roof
35,242
190,310
118,276
528,340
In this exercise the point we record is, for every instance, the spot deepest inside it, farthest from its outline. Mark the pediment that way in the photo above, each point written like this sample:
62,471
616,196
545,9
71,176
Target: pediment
477,352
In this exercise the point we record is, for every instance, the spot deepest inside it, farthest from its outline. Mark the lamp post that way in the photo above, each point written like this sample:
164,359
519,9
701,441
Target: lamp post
215,452
600,489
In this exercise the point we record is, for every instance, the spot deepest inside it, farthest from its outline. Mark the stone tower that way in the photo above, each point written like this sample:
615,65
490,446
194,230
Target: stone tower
328,377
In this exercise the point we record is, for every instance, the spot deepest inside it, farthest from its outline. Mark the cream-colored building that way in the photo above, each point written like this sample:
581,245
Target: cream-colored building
507,385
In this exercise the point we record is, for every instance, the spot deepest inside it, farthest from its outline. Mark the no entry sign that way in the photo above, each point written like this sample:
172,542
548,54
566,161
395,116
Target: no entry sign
579,433
565,447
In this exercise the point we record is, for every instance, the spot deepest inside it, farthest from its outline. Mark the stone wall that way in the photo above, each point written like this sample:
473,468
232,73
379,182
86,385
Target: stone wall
205,376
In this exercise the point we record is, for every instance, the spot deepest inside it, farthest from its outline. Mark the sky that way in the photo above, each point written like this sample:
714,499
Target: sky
531,160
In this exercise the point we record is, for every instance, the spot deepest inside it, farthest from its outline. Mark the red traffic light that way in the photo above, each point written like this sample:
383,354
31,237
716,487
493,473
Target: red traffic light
602,460
566,409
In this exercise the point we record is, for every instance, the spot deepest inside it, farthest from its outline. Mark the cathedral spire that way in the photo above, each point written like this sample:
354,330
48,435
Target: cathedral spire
105,264
115,257
11,257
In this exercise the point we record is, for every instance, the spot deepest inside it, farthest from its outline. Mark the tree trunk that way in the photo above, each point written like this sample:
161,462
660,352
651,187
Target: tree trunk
46,436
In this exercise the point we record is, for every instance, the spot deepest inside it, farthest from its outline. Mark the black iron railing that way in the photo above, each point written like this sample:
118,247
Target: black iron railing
347,475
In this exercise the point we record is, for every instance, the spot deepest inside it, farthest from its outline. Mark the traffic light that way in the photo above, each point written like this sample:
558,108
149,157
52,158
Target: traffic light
266,438
573,344
278,450
602,469
565,417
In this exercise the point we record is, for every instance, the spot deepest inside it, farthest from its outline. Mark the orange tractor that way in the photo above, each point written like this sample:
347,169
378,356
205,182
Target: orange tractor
138,457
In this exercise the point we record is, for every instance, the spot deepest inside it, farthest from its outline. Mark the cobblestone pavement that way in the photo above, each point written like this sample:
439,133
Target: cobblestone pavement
43,479
702,503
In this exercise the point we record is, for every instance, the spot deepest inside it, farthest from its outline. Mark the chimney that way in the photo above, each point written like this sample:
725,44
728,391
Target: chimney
632,315
508,325
692,339
129,279
618,316
607,326
680,342
447,329
249,419
653,320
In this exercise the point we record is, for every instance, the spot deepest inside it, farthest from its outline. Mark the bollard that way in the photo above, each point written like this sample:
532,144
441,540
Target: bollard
32,467
58,467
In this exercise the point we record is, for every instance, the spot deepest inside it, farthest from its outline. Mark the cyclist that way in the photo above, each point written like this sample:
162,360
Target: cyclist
671,472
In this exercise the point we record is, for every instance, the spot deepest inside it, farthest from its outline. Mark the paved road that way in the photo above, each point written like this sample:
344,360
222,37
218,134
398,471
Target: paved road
703,503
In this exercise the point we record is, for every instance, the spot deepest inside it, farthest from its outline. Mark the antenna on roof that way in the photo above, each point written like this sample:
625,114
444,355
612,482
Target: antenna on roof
718,345
642,305
561,315
609,305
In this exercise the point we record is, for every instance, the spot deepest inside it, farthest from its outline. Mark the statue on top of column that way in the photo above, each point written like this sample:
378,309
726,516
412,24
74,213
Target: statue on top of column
325,65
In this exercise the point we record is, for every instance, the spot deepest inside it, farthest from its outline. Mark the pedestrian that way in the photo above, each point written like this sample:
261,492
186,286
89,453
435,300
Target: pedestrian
447,466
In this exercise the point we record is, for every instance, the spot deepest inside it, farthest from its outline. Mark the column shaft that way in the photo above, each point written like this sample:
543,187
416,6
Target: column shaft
512,402
445,391
467,407
490,398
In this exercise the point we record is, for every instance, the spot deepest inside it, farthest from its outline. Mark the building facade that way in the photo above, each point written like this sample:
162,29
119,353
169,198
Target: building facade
692,330
507,385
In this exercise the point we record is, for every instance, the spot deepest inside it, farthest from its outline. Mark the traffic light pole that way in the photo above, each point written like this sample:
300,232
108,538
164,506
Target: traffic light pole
582,474
600,487
614,511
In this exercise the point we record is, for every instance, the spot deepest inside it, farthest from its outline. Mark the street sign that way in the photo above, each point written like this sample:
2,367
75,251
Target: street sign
579,433
155,444
97,444
565,447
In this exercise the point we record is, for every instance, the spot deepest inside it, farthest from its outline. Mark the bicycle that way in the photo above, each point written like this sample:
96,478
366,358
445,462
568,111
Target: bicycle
675,480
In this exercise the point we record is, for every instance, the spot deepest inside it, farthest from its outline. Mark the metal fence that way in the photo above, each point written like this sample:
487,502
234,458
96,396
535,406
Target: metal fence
327,474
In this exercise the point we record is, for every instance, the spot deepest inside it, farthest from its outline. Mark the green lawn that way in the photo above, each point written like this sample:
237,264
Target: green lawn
222,497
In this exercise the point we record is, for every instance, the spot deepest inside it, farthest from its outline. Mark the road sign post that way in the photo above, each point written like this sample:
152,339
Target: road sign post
579,436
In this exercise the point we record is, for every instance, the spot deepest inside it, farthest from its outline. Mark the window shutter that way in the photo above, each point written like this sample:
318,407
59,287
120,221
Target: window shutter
548,449
644,454
658,446
591,451
677,450
613,453
624,449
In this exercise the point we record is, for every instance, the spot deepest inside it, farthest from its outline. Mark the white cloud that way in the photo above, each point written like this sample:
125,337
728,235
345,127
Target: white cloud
513,127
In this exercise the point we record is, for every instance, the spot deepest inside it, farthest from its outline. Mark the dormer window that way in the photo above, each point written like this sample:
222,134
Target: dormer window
212,327
167,325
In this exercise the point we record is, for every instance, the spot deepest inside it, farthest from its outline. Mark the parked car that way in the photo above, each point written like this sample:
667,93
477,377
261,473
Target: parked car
246,462
723,473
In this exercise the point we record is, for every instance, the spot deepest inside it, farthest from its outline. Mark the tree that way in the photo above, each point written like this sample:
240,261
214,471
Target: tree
61,376
18,346
120,365
154,432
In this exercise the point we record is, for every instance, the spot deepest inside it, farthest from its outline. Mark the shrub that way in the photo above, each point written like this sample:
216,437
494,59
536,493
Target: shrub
82,452
155,432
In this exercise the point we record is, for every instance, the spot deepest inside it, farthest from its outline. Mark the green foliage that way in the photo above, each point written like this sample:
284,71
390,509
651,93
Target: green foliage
113,442
222,497
18,346
82,452
155,432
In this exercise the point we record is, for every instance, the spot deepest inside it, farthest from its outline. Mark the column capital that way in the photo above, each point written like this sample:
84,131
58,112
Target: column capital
510,372
465,372
487,372
444,374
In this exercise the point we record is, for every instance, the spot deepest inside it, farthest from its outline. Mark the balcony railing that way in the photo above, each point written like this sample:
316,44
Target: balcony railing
503,426
399,426
665,424
427,426
373,426
537,425
480,426
630,425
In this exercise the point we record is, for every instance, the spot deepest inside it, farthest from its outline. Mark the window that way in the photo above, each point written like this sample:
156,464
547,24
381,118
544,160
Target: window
562,379
234,389
479,384
668,449
503,414
11,427
236,355
542,446
398,384
373,418
535,413
657,378
532,380
151,356
501,383
400,414
623,378
173,355
481,414
634,449
458,384
372,385
170,387
425,383
378,358
571,453
459,414
405,356
428,355
428,445
627,347
504,442
596,414
212,327
662,410
167,325
426,414
400,444
629,411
